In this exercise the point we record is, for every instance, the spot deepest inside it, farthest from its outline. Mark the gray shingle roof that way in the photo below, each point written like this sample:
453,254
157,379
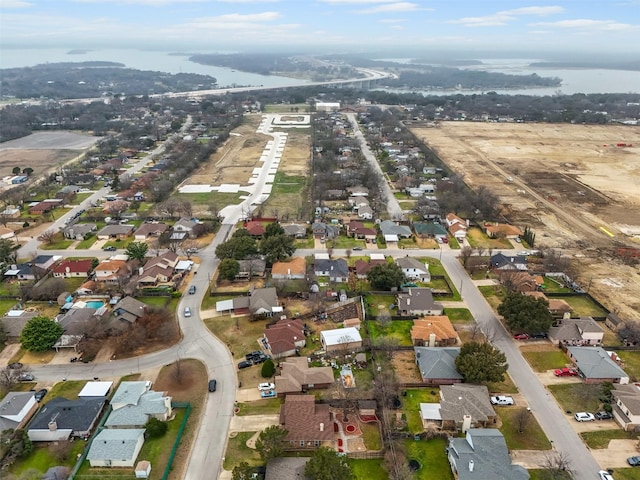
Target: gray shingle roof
461,399
387,227
437,362
77,415
129,393
115,444
149,404
595,362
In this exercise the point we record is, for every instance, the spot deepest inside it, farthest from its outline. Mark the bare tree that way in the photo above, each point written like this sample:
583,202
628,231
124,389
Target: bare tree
169,207
186,208
556,465
177,371
513,280
465,254
11,376
522,420
47,237
387,345
348,252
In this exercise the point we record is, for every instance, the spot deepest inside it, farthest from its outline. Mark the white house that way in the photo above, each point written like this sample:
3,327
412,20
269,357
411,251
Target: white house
341,339
413,269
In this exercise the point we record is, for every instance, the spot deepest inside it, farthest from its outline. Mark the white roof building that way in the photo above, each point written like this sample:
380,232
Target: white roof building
95,389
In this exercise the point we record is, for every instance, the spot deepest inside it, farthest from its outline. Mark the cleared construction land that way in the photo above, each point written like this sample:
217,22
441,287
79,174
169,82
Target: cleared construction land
576,186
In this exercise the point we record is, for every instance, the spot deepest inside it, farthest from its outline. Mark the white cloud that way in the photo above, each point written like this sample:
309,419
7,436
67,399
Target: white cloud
248,1
393,7
154,3
588,24
539,11
15,4
506,16
355,2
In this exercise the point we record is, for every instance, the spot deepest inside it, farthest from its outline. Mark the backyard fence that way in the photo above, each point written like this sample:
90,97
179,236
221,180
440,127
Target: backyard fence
186,405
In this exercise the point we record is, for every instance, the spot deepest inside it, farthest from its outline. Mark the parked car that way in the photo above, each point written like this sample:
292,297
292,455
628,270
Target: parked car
603,415
110,249
39,395
268,394
26,377
502,400
584,417
565,372
357,249
539,335
212,385
187,312
521,336
192,289
15,365
244,364
634,461
605,475
256,357
266,386
251,355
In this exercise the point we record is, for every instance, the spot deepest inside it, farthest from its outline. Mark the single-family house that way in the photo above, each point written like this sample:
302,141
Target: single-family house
115,231
45,262
431,230
260,301
626,406
79,230
251,268
337,270
577,332
296,376
24,271
295,230
286,467
520,281
388,227
418,301
502,262
158,270
457,226
10,212
437,365
358,191
128,310
150,230
295,268
502,230
334,194
111,271
7,233
73,268
614,321
557,306
15,409
434,331
284,338
365,212
14,321
362,267
309,425
356,229
341,340
134,403
357,202
483,455
116,447
68,190
76,319
255,229
413,269
96,389
61,418
459,403
42,207
324,230
595,365
185,225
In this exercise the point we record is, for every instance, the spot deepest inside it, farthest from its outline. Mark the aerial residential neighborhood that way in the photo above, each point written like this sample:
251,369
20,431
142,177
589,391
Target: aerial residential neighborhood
270,283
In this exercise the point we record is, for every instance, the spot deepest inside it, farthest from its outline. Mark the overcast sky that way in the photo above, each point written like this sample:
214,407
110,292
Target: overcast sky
335,25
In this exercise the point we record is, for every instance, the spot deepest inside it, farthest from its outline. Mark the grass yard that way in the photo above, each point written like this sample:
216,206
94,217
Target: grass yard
539,474
577,397
37,358
432,457
238,333
505,386
69,390
155,301
411,406
494,294
459,315
583,307
212,198
631,363
87,243
601,438
290,108
477,238
6,305
371,436
368,469
307,243
551,285
9,289
373,303
398,329
119,243
60,244
266,406
345,242
627,473
531,438
237,451
545,360
42,458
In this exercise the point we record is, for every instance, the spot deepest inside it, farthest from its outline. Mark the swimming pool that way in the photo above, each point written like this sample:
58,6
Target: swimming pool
95,304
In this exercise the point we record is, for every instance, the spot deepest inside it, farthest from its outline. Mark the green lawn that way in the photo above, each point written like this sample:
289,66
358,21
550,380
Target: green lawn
69,390
494,294
505,386
582,306
398,329
345,242
551,285
459,315
9,289
373,302
432,457
267,406
477,238
371,436
577,397
453,242
368,469
539,474
543,361
57,245
631,361
42,459
601,438
6,305
627,473
411,406
87,243
284,183
304,242
155,301
237,451
531,438
118,243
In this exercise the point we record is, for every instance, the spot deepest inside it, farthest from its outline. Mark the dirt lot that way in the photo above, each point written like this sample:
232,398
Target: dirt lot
563,182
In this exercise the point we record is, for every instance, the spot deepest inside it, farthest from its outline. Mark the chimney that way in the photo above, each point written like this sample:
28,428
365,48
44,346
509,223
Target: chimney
466,423
53,426
408,302
471,464
432,339
322,427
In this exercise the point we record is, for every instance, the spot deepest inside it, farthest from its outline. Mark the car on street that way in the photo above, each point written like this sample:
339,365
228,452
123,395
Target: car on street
15,365
212,385
110,249
39,395
565,372
584,417
539,335
634,461
521,336
192,289
26,377
357,248
187,312
268,394
244,364
502,400
603,415
605,475
266,386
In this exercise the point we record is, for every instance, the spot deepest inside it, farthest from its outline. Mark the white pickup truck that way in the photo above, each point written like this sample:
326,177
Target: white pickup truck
502,400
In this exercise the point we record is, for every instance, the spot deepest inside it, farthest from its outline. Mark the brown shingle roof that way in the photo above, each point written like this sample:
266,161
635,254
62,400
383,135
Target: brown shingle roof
440,325
283,335
295,372
304,420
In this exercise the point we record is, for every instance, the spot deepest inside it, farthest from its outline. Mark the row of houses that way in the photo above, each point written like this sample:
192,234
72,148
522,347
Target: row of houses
183,228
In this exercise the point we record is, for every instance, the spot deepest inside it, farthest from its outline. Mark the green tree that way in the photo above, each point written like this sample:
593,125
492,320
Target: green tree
6,250
27,171
238,246
269,442
229,268
244,471
16,170
40,333
155,428
326,464
481,363
277,248
386,276
523,313
268,369
94,263
137,250
273,229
